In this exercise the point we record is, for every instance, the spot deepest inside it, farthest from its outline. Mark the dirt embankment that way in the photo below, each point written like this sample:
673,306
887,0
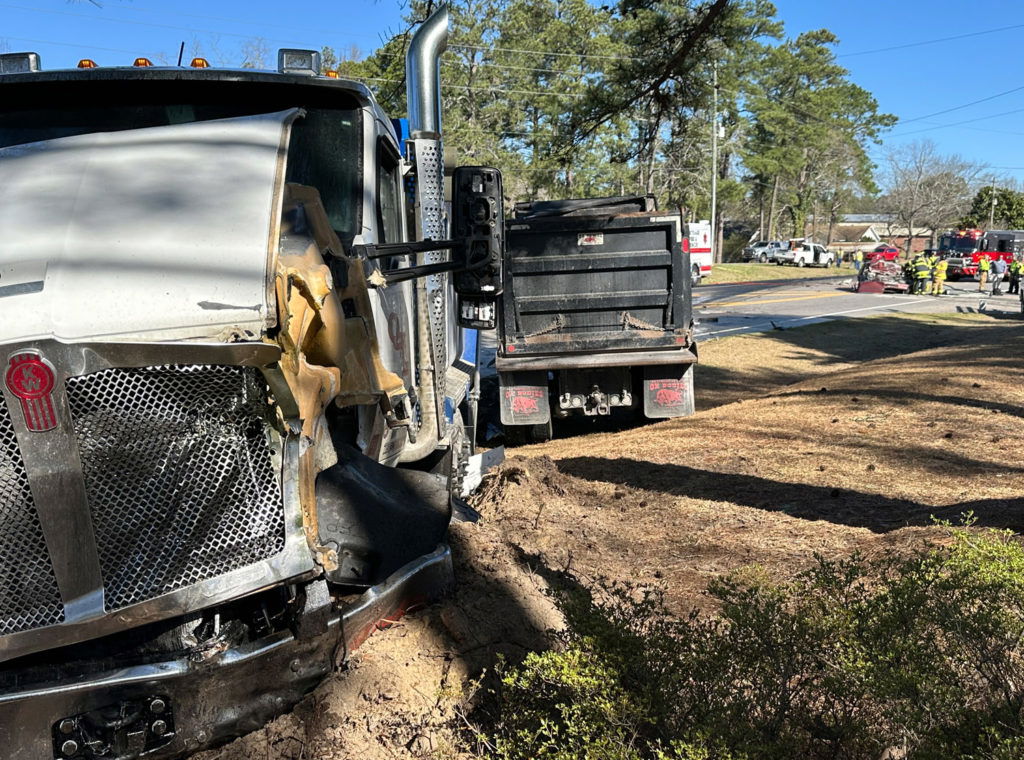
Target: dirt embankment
858,456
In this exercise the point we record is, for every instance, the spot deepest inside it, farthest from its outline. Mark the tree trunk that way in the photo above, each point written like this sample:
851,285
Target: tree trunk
760,215
910,237
772,235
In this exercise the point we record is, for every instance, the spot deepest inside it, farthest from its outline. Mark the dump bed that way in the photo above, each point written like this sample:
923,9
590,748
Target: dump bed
601,281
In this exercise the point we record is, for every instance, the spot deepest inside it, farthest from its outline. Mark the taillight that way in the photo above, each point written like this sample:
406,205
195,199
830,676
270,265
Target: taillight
686,244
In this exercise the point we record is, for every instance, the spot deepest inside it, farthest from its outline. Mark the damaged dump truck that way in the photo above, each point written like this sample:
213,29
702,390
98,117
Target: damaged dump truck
596,314
237,389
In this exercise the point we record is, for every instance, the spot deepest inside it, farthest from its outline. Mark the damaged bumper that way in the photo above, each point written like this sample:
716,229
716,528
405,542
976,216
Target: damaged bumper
171,708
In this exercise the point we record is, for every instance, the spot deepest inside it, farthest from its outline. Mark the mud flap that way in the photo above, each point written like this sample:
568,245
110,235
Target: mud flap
668,391
524,398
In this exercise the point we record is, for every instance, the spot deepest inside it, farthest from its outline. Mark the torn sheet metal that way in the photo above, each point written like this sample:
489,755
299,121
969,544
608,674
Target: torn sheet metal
478,466
161,233
327,334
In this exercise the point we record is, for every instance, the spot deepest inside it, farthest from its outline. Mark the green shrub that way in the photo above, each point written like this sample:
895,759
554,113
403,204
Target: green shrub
916,656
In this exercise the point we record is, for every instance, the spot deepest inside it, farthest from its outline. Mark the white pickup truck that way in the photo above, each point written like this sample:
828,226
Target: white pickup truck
804,254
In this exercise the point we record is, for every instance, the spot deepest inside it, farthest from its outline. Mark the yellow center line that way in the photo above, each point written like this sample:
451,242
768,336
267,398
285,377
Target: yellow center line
772,300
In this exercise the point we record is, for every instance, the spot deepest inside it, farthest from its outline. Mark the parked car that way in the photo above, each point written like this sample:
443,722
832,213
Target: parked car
764,250
806,254
886,252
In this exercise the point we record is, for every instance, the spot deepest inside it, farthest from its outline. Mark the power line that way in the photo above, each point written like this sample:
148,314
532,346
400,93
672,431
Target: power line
958,123
471,87
593,56
80,45
965,105
932,41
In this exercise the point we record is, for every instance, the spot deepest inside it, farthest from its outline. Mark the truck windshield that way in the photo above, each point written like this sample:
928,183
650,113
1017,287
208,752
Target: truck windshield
958,244
325,149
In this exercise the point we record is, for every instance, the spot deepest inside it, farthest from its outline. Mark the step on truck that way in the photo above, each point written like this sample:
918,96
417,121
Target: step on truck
238,388
596,314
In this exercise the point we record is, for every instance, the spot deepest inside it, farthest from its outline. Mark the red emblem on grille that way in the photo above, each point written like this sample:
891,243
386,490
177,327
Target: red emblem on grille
30,378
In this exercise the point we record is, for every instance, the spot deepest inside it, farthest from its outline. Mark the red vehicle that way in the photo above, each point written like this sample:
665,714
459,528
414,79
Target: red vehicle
884,252
964,248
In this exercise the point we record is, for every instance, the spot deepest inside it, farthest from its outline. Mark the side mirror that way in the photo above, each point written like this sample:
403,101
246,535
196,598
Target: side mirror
478,224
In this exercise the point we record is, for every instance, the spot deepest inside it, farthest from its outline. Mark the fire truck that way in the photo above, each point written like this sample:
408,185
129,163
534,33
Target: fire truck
964,248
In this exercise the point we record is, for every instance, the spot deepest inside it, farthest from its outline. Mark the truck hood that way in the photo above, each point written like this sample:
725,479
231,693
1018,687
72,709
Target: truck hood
164,233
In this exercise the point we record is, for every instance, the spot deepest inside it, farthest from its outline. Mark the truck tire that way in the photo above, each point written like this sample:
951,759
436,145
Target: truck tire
763,258
695,275
801,262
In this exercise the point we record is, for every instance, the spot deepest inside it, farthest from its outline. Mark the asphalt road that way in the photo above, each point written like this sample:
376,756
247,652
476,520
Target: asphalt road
736,308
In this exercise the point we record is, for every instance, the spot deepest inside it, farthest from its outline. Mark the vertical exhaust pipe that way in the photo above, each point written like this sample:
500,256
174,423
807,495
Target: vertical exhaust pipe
423,96
423,75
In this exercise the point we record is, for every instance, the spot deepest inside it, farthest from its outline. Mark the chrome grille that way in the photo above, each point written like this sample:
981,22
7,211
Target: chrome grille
29,597
178,472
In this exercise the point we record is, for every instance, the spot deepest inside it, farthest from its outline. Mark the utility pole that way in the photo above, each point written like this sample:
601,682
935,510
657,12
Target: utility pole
716,254
992,211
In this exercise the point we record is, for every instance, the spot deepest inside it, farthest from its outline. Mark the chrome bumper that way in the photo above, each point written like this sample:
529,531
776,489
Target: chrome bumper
213,701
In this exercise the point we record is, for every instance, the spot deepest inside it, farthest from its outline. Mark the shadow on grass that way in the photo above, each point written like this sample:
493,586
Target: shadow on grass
836,505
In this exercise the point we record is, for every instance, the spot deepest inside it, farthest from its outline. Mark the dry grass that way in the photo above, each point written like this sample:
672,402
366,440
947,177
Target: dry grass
858,457
757,272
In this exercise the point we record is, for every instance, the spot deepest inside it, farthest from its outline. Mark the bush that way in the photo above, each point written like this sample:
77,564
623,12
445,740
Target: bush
916,657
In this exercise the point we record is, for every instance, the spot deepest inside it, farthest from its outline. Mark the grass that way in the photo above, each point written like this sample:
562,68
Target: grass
746,366
755,272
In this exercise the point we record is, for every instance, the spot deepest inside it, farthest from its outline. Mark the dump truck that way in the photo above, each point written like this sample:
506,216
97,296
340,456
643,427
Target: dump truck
596,314
238,388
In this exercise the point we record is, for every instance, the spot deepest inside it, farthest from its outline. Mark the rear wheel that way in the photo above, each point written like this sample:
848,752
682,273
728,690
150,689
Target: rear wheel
801,262
695,275
763,258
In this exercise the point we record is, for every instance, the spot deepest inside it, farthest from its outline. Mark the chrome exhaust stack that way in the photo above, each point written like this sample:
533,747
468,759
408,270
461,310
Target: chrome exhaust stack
423,75
423,96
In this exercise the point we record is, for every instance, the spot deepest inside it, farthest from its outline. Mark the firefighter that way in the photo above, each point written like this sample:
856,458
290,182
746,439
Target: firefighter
984,265
922,275
908,273
1016,267
939,277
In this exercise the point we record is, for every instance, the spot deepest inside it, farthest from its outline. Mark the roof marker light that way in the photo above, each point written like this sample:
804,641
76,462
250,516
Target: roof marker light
200,63
293,61
331,74
87,63
142,62
19,63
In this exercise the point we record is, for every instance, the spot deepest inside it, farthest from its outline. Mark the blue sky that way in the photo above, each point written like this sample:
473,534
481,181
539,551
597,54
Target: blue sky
912,82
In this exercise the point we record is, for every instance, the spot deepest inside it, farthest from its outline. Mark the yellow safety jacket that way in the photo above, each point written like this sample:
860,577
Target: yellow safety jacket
984,265
940,269
922,269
